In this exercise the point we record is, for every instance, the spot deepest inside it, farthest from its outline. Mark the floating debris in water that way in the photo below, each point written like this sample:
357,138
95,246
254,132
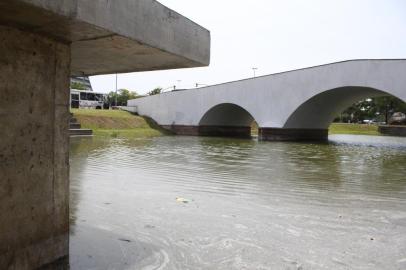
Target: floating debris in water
124,240
182,200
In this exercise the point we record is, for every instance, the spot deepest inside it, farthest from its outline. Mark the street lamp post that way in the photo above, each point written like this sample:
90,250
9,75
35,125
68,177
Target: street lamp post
115,103
254,69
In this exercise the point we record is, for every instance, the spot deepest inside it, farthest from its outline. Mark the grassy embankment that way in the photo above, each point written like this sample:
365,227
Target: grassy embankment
117,123
355,129
124,124
342,128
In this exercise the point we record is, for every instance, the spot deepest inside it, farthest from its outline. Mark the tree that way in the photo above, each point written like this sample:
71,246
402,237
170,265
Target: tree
156,91
378,108
77,86
123,95
389,105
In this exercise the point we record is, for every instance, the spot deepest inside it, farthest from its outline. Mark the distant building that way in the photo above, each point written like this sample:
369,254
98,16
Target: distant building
82,80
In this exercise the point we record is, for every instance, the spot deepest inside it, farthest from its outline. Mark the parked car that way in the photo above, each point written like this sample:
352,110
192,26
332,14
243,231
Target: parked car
398,118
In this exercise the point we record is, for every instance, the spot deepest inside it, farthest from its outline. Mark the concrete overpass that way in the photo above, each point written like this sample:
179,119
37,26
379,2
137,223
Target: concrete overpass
42,44
293,105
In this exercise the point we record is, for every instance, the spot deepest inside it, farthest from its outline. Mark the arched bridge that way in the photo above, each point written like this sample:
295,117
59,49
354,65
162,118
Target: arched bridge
293,105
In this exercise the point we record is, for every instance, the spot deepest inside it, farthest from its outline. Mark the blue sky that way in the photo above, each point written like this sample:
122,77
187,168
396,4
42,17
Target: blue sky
277,35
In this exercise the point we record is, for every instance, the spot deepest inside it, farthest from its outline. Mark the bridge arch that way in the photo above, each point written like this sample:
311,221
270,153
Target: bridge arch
226,120
311,119
319,111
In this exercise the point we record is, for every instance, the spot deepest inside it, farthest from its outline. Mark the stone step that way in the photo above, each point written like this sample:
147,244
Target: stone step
80,132
74,126
73,120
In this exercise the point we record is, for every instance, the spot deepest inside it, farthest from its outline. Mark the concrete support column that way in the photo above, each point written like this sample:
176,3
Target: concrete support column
34,148
292,134
211,131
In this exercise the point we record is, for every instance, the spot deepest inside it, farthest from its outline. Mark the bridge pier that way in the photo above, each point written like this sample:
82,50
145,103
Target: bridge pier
292,134
210,131
34,152
43,43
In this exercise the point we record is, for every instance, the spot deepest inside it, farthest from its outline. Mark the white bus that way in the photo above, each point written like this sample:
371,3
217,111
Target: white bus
81,99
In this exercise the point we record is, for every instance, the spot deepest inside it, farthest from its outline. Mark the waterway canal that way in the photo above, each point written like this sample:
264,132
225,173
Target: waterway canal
210,203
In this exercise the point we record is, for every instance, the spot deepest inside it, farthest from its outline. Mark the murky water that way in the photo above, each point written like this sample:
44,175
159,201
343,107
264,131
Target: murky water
210,203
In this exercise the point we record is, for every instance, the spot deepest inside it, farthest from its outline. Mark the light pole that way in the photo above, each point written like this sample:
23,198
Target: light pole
254,69
115,103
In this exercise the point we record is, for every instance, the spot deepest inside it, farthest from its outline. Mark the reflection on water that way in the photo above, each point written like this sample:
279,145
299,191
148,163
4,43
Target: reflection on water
247,204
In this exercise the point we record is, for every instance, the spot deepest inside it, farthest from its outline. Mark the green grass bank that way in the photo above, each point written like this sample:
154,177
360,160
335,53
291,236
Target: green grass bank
342,128
354,129
116,123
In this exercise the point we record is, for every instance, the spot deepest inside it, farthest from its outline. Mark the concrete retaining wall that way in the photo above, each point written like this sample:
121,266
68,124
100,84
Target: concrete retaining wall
393,130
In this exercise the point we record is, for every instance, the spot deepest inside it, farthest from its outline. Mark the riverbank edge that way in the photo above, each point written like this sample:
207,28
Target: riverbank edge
117,123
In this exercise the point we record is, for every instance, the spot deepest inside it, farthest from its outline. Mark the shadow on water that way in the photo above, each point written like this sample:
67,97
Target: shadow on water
109,250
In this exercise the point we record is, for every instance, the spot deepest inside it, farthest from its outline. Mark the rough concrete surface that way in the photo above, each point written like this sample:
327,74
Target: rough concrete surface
114,36
34,180
42,43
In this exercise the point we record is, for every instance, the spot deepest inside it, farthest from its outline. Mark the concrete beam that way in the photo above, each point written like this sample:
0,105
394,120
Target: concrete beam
113,36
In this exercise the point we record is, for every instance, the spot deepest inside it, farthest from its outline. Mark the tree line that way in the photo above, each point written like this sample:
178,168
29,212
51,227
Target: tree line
123,95
378,109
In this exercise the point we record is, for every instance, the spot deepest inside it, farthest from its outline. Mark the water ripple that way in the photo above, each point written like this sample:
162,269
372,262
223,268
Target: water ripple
246,204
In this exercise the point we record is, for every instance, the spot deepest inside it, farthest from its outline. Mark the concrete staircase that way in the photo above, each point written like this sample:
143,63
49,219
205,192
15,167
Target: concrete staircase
76,130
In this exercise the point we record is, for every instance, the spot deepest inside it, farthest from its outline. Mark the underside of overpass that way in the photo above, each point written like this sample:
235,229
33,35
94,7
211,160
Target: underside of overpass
43,43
